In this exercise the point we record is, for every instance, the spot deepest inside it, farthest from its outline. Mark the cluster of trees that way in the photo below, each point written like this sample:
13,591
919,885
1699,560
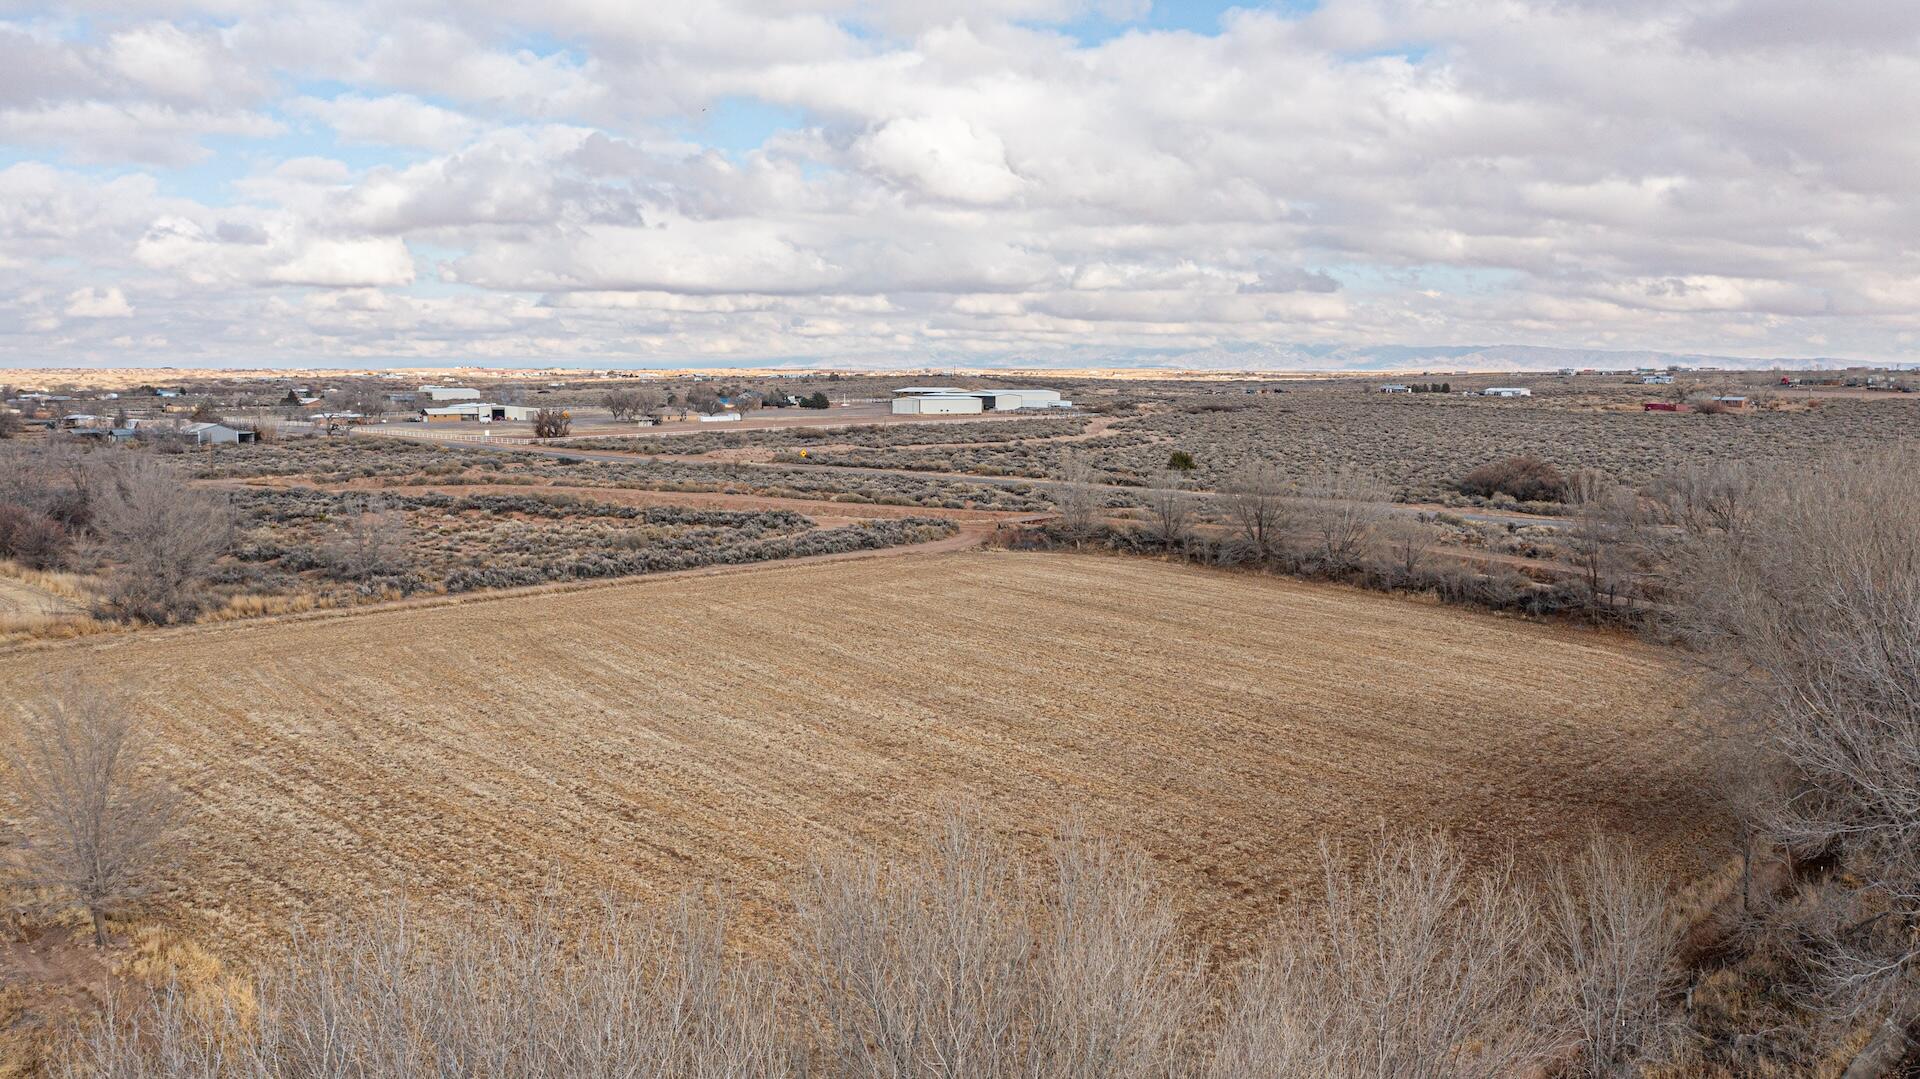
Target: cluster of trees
1799,585
1329,521
552,423
132,515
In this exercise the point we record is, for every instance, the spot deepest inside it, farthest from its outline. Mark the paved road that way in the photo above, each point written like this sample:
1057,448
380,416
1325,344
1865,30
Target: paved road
1484,516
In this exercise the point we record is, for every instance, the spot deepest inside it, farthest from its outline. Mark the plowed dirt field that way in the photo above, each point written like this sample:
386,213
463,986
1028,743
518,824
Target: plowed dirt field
709,732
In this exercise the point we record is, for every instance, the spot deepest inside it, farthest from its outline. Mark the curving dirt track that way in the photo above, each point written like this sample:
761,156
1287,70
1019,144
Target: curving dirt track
653,736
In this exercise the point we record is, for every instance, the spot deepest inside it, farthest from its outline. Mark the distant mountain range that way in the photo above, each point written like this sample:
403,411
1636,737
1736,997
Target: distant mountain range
1278,357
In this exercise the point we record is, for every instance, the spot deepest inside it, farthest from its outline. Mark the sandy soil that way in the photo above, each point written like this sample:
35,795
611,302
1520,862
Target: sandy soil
713,731
19,598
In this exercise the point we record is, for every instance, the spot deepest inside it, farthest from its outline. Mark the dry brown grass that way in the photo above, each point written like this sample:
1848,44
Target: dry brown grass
645,738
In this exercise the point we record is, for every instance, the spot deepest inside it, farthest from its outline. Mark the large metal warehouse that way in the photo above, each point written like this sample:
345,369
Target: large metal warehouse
1027,398
933,404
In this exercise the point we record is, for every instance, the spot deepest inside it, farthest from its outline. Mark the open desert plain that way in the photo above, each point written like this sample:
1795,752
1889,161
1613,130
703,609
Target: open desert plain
1041,539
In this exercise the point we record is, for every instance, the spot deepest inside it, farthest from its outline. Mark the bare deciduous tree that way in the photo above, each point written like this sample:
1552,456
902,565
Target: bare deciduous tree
1339,511
99,828
1408,542
1077,496
162,535
1170,510
624,403
552,423
1256,502
1817,605
1606,540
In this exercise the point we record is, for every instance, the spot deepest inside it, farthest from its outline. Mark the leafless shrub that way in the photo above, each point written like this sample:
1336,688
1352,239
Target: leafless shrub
1413,967
32,538
495,996
98,828
552,423
1609,930
56,480
162,535
371,543
1119,994
1716,497
961,962
1526,479
1256,503
915,970
963,965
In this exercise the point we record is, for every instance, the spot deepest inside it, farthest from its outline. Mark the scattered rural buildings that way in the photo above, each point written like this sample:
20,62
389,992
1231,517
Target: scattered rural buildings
1507,391
1656,380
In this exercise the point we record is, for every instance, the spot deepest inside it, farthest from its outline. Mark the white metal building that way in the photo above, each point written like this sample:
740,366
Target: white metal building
462,413
933,404
450,393
930,400
1028,398
1507,391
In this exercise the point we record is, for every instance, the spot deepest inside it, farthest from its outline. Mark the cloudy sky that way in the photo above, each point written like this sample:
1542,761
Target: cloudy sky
242,182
